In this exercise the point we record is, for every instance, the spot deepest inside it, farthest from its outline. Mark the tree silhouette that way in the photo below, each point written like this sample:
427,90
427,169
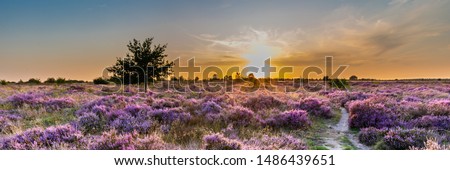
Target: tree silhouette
144,62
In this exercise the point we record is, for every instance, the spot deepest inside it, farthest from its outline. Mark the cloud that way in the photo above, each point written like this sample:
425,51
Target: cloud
354,37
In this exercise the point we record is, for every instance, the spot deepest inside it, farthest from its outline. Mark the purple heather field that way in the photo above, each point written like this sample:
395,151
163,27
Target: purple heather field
386,115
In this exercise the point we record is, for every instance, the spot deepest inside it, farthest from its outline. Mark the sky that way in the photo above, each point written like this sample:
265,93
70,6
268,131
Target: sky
384,39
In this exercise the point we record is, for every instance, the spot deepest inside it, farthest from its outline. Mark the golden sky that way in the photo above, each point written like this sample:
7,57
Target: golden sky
384,39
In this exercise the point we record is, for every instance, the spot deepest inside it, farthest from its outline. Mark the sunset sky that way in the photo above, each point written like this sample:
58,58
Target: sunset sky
383,39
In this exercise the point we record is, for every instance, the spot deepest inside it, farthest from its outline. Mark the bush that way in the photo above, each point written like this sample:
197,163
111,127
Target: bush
316,107
34,81
38,138
50,81
60,81
112,140
401,139
56,104
370,136
91,123
261,102
367,113
100,81
219,142
431,122
292,119
31,99
3,82
439,108
240,116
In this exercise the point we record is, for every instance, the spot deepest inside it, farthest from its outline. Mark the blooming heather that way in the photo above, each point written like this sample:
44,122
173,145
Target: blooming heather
316,107
370,136
240,116
38,138
112,140
292,119
432,122
261,102
219,142
368,113
401,139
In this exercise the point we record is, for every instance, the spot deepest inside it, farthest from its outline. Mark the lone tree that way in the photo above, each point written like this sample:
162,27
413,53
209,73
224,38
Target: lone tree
143,62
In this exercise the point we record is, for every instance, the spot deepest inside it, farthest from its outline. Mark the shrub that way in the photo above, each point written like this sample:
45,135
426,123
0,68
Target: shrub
166,103
240,116
292,119
370,114
431,122
211,107
112,140
91,123
100,81
38,138
50,81
31,99
316,107
56,104
261,102
401,139
167,116
3,82
61,80
34,81
411,110
284,142
219,142
439,108
370,136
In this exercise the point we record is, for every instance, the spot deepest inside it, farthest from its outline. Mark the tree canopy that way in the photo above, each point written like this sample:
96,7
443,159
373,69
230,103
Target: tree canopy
144,61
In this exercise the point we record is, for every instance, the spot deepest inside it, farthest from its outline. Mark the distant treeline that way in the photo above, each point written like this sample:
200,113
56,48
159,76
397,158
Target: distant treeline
48,81
104,81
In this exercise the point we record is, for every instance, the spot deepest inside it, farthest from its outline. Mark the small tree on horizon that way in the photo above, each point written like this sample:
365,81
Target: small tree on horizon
144,62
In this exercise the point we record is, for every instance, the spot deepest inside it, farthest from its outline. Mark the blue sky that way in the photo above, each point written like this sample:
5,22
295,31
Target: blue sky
78,39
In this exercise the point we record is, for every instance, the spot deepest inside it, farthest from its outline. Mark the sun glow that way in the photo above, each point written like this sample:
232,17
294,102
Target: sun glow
258,53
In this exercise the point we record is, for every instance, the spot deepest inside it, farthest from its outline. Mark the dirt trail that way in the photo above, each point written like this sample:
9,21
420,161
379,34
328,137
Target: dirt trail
333,137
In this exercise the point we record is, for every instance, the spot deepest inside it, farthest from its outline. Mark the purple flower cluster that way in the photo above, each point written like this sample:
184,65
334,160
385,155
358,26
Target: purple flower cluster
439,108
240,116
112,140
61,103
401,139
31,99
292,119
284,142
166,103
126,117
40,100
219,142
316,107
370,136
210,110
431,122
38,138
261,102
369,113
